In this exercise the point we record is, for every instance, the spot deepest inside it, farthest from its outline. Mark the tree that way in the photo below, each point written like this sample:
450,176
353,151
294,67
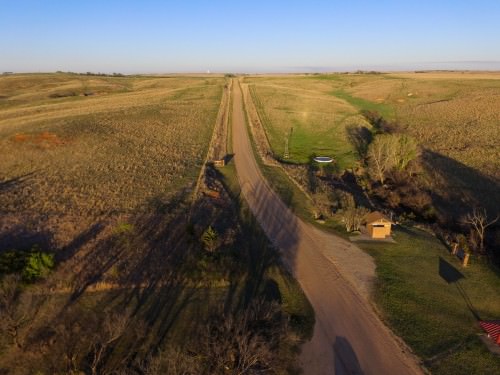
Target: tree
478,221
390,151
406,151
171,361
210,239
112,328
242,343
352,217
11,320
381,156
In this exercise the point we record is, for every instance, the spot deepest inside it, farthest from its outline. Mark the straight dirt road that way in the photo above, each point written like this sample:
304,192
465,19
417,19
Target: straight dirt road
349,338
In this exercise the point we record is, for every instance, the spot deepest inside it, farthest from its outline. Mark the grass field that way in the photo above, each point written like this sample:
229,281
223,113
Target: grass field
317,120
433,316
132,141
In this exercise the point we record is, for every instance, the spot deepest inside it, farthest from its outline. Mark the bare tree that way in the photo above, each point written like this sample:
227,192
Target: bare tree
478,221
112,328
381,156
171,361
238,344
352,217
69,339
390,151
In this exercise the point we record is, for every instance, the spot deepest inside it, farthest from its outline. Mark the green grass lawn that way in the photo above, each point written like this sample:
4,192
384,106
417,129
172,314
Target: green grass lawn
431,315
385,110
313,125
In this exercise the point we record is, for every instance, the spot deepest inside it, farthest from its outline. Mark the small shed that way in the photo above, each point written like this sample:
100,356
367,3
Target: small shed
378,225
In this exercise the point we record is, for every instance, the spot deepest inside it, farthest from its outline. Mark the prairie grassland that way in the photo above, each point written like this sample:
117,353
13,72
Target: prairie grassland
457,116
105,153
454,116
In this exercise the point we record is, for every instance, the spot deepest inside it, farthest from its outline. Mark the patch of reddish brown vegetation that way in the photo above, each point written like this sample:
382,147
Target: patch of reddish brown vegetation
43,140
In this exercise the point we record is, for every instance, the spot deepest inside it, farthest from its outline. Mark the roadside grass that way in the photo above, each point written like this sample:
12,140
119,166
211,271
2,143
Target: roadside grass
431,315
293,300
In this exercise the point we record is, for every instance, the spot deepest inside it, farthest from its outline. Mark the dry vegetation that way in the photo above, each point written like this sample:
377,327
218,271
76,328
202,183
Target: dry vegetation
93,155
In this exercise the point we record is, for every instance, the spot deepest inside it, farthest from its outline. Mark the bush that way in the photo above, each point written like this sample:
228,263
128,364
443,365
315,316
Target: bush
38,265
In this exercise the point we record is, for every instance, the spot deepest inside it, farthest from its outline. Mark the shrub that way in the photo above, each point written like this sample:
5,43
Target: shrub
38,265
209,238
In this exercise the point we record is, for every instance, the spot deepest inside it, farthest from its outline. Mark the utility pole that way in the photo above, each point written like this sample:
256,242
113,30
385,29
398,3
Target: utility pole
286,155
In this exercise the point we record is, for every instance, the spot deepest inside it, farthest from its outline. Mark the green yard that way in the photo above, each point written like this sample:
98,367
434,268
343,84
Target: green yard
432,316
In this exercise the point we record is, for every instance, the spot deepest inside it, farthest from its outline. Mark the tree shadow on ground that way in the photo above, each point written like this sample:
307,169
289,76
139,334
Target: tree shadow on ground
457,188
360,137
19,237
453,276
345,359
137,265
15,183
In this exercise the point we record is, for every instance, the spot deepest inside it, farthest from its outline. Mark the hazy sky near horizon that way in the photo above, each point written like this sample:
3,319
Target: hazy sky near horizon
247,36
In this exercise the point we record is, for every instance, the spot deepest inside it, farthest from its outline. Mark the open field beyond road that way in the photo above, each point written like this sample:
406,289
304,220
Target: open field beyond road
104,152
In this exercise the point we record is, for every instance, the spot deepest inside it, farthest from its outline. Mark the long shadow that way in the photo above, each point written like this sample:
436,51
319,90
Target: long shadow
360,137
460,187
79,241
345,359
453,276
15,182
20,237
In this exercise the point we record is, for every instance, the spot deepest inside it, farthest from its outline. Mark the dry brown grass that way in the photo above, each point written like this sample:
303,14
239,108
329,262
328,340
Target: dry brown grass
98,154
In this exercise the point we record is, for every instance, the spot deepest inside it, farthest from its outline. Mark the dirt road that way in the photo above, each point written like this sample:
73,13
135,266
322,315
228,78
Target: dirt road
335,275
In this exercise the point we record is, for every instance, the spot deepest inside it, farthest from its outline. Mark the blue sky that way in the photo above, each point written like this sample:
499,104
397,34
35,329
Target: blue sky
247,36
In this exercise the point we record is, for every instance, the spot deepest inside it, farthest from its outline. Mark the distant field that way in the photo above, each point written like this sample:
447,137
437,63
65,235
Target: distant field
447,112
91,145
316,119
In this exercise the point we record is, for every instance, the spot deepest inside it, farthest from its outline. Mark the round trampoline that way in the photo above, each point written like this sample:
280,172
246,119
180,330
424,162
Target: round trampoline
323,159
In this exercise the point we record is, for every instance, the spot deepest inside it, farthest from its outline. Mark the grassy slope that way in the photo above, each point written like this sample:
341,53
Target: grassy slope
318,120
113,151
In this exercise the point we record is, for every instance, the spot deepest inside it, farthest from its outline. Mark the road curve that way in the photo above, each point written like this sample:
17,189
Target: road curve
348,337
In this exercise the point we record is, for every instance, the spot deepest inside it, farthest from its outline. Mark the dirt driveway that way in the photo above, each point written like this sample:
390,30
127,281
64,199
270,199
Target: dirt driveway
336,276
